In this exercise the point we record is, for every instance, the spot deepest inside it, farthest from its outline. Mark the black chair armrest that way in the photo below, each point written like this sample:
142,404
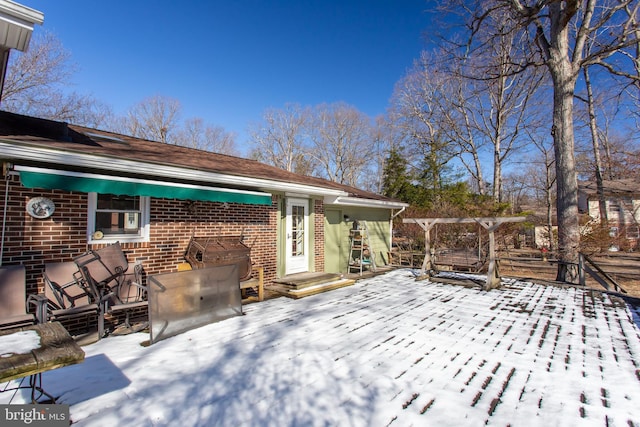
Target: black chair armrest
40,302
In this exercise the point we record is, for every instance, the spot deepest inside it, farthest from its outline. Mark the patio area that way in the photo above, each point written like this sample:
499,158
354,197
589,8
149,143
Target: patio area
388,350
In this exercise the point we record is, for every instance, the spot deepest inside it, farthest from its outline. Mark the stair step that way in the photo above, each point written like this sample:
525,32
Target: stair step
307,280
310,290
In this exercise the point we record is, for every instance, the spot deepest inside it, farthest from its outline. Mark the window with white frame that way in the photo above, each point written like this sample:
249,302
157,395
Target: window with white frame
613,208
633,232
118,218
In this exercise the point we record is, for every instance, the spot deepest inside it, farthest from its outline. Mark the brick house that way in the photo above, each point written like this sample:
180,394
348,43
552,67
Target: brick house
153,197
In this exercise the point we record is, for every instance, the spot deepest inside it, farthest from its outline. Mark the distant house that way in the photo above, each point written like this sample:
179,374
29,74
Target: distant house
68,188
623,208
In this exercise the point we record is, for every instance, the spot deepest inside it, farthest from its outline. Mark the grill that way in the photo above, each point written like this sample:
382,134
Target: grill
215,251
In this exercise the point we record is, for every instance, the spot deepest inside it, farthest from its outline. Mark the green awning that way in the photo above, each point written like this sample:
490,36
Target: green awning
103,184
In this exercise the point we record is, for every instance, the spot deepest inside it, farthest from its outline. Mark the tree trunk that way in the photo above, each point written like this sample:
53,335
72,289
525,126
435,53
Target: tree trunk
479,177
497,174
602,204
564,74
566,181
549,198
497,139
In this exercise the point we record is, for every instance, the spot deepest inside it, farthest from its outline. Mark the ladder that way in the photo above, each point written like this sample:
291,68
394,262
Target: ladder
361,255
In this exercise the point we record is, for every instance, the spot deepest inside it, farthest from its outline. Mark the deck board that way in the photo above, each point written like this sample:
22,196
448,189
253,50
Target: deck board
393,351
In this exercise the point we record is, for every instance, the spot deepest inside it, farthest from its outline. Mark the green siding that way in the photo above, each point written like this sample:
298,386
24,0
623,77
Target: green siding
336,248
337,235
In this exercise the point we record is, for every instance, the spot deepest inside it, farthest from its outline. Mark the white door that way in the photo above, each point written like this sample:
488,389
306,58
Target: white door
297,238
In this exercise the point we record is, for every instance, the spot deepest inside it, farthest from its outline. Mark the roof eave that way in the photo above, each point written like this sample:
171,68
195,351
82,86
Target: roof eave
18,22
362,202
39,154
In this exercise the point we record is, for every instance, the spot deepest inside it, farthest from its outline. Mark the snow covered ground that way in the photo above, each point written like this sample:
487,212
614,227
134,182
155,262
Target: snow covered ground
388,350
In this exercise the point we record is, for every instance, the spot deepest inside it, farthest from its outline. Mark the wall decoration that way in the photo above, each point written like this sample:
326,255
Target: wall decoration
40,207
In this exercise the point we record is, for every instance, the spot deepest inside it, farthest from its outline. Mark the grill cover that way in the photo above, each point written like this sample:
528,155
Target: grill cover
222,250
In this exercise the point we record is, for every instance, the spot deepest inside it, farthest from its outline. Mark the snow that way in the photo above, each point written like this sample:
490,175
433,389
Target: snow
388,350
19,343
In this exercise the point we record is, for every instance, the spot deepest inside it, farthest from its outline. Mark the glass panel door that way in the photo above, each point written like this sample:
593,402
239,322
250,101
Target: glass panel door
297,239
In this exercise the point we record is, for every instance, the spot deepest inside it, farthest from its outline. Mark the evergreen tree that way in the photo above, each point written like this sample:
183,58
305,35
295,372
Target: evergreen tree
396,181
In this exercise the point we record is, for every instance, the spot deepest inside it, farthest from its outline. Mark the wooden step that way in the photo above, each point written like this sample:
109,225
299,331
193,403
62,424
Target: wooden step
318,288
305,280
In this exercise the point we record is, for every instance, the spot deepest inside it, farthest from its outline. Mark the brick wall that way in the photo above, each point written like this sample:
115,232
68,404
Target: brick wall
34,242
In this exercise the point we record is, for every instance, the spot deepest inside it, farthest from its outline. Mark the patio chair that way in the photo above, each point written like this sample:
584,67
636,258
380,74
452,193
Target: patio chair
66,296
114,281
103,269
13,300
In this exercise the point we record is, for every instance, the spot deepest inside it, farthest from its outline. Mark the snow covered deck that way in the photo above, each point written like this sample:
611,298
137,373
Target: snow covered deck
388,350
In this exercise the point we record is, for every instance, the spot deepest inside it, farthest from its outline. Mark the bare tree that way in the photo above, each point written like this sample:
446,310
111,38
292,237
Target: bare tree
545,184
154,118
44,66
418,115
196,134
36,84
384,139
462,127
341,142
280,138
502,102
595,145
557,33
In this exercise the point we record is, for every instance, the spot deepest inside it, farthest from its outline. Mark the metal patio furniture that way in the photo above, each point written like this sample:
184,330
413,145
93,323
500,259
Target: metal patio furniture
55,349
66,295
13,299
114,281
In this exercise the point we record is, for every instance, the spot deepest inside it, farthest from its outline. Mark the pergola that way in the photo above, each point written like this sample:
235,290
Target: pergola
490,224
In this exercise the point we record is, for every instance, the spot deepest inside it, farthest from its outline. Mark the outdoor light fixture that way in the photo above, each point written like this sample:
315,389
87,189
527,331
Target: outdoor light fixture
346,218
190,207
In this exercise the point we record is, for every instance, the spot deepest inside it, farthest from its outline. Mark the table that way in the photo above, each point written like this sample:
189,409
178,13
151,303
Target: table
56,349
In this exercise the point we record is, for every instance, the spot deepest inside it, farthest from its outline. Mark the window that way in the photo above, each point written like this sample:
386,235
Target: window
633,232
118,218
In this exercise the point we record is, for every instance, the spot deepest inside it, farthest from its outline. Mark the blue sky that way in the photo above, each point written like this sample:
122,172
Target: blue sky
227,61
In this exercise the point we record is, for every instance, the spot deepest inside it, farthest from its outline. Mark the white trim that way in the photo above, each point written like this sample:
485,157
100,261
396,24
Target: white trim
145,218
19,11
297,264
296,195
18,22
116,164
357,201
393,215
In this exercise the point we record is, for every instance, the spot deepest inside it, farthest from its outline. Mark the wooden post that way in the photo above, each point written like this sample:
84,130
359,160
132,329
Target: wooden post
493,277
581,277
490,224
426,263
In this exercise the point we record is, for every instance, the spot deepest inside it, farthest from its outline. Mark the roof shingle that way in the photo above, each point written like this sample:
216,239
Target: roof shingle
67,137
